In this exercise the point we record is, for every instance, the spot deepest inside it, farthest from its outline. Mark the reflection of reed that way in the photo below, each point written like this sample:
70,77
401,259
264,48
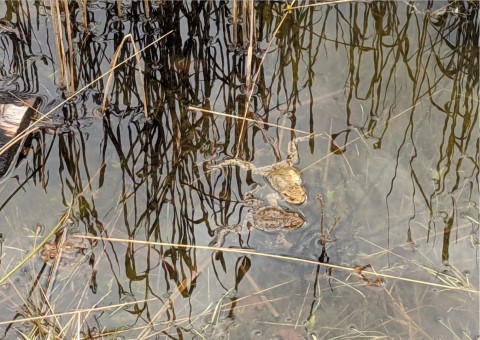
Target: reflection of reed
382,44
164,192
16,69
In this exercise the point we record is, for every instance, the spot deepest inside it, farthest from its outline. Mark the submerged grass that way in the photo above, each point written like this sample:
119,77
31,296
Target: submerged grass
27,258
221,306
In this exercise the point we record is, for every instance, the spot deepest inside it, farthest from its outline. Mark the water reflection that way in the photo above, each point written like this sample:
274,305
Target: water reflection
391,92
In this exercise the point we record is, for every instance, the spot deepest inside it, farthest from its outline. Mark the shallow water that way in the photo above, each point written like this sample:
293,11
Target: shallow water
390,92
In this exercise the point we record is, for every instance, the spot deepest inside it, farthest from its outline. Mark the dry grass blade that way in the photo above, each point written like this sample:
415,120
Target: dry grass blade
218,306
113,65
193,108
280,257
18,137
456,281
79,311
318,4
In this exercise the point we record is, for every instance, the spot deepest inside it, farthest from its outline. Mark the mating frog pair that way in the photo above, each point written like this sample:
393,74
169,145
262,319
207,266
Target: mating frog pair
285,179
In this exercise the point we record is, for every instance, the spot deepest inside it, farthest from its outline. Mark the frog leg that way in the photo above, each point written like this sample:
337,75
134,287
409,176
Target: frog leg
249,194
248,222
249,198
292,157
238,162
222,232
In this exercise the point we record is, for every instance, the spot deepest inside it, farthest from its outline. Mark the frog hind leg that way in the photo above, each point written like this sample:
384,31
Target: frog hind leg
292,157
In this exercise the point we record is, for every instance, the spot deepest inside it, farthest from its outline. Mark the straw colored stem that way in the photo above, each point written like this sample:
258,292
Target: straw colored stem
113,65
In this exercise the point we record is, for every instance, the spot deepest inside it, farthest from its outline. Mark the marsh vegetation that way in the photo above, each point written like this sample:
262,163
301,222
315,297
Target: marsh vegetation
160,112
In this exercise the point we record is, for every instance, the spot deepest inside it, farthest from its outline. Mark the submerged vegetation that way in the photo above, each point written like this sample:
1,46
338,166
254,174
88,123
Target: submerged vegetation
110,223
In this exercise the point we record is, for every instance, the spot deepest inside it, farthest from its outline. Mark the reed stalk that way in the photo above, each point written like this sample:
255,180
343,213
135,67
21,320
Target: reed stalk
66,77
68,24
83,8
235,23
146,4
251,42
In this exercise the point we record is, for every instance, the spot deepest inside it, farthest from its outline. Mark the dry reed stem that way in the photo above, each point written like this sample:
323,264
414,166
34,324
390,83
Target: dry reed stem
252,31
119,8
245,23
289,8
235,24
113,65
146,5
71,84
280,257
246,119
67,80
58,36
83,7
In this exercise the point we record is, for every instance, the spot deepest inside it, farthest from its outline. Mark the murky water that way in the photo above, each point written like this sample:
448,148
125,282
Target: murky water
389,92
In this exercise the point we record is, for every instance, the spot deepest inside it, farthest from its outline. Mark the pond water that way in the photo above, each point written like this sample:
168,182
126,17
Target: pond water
130,199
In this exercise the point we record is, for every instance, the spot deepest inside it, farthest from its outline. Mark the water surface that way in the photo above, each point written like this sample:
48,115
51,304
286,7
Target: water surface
389,92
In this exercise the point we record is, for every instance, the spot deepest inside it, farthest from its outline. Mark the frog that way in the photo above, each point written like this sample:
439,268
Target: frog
73,250
282,176
267,217
270,217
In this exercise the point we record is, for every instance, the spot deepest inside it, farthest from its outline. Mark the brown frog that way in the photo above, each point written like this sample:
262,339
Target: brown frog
69,252
269,218
282,176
